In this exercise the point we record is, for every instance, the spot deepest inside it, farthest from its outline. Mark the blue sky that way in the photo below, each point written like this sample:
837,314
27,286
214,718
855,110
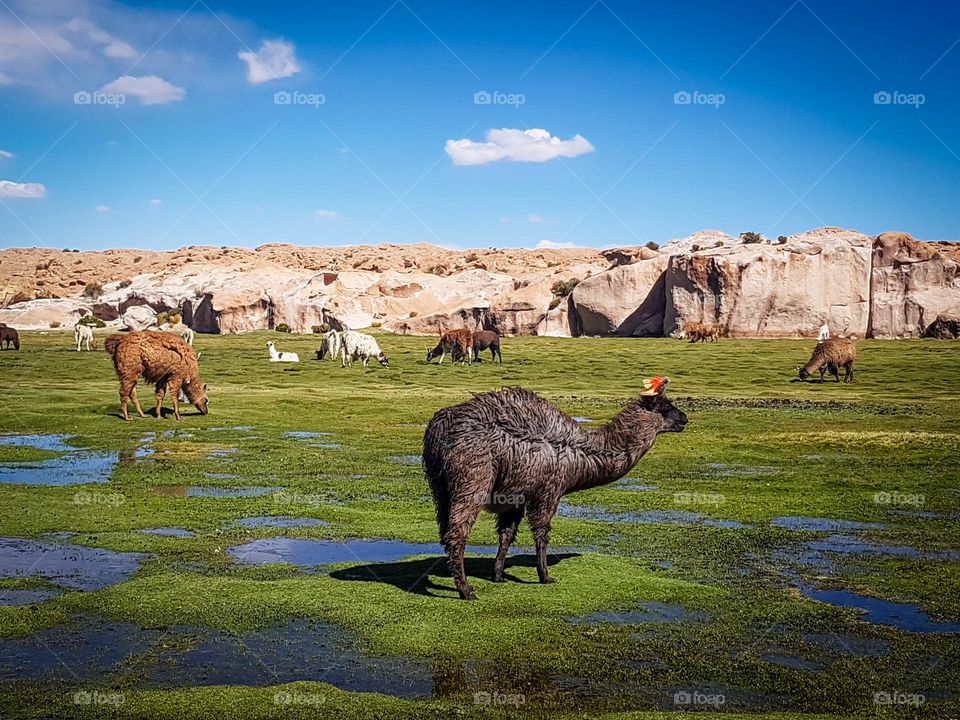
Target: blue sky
616,122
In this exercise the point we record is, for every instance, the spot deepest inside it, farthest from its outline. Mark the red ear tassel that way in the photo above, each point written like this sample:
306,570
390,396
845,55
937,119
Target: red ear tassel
655,385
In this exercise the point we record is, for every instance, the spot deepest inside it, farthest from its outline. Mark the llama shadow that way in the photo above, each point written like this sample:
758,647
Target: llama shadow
413,576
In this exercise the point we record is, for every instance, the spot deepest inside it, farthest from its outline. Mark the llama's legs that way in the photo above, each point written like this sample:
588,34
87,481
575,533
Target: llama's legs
848,375
836,373
541,536
507,524
822,371
160,391
174,389
455,543
539,519
365,359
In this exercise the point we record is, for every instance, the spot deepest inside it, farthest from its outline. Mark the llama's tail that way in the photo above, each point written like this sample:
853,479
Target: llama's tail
433,441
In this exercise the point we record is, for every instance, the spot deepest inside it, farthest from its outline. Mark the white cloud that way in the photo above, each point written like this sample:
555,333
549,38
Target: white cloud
533,145
110,46
102,209
553,245
10,189
325,214
6,154
276,59
534,218
148,89
156,202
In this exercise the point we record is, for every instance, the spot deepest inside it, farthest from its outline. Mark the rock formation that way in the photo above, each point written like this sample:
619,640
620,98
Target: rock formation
888,286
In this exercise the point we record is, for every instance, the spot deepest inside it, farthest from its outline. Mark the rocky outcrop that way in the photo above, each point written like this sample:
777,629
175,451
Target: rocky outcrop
913,284
139,317
946,326
773,290
624,300
888,286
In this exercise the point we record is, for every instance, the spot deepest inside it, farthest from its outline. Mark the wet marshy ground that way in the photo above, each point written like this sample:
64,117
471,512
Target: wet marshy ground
293,540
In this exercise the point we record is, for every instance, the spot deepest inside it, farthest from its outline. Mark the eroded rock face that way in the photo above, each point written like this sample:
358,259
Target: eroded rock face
913,284
891,285
946,326
774,290
139,317
624,300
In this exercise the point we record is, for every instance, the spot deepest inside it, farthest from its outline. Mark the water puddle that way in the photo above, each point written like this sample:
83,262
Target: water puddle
581,419
220,476
69,566
646,517
648,612
169,532
735,470
904,616
16,596
848,644
279,521
405,459
215,492
818,524
310,435
295,651
73,467
791,661
311,553
632,484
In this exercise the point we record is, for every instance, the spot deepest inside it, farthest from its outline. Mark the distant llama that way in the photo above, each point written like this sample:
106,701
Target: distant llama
83,334
162,359
281,356
831,355
456,342
7,336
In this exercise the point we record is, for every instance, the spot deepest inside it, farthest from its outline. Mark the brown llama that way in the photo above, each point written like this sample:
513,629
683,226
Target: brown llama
160,358
514,454
831,354
454,342
487,340
9,335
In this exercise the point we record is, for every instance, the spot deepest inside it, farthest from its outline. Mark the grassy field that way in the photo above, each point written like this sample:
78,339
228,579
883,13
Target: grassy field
710,575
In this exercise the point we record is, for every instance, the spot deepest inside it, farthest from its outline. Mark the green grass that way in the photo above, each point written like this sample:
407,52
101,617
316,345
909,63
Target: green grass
757,447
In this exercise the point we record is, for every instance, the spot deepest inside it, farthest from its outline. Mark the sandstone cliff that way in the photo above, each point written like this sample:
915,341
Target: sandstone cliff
888,286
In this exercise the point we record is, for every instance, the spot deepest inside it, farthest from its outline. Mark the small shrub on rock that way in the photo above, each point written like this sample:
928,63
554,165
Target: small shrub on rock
282,327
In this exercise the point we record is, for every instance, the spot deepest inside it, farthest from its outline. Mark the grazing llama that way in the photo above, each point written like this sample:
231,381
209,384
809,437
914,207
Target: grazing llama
83,334
514,454
359,346
456,342
281,356
162,359
831,354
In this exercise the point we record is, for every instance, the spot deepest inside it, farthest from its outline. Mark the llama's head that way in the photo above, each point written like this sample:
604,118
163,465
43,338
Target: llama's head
383,360
436,352
196,393
803,372
674,419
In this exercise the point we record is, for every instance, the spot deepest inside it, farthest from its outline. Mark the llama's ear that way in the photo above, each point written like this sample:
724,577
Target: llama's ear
204,387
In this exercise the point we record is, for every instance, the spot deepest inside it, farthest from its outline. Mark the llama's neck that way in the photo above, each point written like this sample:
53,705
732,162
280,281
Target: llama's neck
618,446
273,352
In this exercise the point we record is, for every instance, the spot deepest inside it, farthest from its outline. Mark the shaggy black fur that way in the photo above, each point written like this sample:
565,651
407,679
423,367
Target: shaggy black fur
515,454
